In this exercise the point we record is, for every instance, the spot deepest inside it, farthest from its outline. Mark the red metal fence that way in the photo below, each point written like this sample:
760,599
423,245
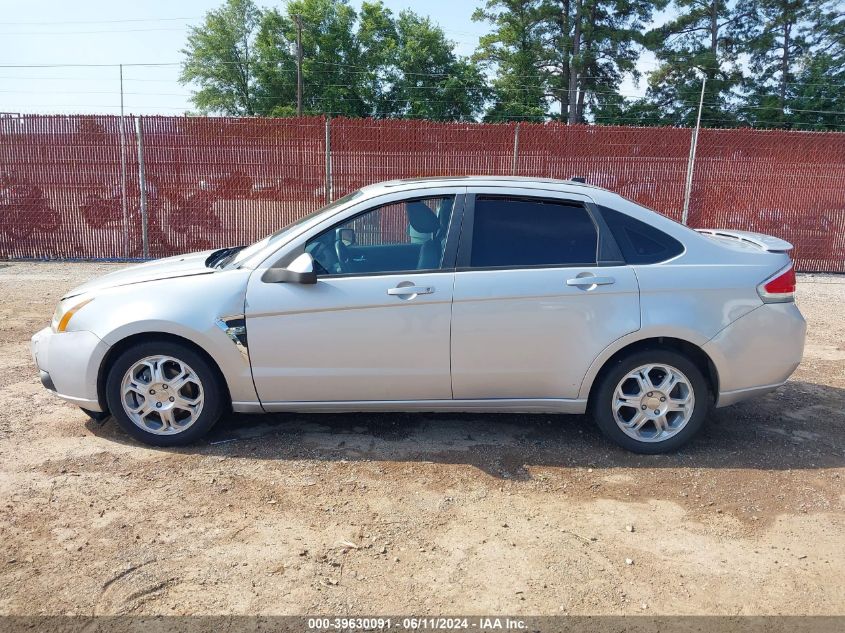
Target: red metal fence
70,185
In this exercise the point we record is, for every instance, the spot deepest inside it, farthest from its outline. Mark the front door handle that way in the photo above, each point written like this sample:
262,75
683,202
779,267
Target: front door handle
404,291
591,280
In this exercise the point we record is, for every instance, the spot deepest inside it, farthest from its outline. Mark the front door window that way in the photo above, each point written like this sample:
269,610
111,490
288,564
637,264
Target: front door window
404,236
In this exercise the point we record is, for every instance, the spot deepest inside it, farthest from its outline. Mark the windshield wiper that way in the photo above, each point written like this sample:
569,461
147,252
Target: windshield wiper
220,258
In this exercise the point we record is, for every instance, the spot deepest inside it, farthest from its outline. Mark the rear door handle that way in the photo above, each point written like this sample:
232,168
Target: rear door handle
402,291
581,282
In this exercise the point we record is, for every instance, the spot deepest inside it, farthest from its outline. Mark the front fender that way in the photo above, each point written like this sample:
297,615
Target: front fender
188,307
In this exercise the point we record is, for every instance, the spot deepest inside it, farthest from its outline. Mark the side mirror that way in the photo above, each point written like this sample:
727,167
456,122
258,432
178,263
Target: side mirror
299,271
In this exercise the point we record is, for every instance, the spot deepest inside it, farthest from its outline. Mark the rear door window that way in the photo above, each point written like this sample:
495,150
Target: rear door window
519,232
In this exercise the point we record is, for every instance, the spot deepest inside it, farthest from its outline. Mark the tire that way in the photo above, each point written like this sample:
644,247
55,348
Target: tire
170,414
677,426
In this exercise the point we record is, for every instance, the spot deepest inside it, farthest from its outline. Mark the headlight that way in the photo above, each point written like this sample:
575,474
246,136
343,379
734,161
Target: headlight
64,311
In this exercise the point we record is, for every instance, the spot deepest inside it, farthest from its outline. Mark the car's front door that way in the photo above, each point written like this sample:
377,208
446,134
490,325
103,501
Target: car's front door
375,326
534,302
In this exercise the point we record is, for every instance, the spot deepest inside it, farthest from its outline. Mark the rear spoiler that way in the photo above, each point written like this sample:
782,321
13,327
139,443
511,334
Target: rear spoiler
760,240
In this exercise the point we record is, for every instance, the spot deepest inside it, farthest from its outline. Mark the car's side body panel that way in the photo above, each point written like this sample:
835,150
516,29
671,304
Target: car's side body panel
484,405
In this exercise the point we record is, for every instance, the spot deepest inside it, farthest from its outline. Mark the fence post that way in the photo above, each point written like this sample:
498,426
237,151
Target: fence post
328,159
691,163
123,170
515,149
142,184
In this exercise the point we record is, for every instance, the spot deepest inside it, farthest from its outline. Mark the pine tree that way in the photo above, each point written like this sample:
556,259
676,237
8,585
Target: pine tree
514,51
699,42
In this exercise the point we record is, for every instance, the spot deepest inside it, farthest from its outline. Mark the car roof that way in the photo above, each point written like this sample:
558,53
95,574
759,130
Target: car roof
490,180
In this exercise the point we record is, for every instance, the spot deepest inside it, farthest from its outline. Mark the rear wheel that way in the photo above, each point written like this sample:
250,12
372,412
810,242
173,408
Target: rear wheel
652,401
164,393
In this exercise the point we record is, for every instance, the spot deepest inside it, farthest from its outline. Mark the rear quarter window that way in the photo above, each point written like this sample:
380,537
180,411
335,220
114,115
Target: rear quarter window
639,242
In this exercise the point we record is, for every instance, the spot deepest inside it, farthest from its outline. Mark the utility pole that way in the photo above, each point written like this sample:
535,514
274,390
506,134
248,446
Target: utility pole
692,148
123,193
328,159
298,19
142,182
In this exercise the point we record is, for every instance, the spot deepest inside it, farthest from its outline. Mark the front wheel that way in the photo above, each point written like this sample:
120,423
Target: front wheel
652,401
164,393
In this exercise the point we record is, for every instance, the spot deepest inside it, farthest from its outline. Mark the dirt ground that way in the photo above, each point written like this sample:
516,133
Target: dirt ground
422,514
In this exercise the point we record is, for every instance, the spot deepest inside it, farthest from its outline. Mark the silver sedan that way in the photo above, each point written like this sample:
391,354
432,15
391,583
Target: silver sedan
440,294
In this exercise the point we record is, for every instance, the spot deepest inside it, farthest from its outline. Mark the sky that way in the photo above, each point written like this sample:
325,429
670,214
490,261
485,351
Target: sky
100,34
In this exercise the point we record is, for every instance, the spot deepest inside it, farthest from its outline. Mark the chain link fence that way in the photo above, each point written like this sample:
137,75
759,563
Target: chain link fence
108,187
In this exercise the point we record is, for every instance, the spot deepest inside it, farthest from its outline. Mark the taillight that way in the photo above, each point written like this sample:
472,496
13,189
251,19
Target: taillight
780,287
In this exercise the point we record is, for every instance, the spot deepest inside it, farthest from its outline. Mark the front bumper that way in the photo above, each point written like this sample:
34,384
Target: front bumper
757,352
69,364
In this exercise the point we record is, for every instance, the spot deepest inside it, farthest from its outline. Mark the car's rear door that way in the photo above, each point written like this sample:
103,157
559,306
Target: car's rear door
540,291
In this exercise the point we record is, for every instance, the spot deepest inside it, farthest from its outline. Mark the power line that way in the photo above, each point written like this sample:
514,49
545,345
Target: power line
514,88
149,64
366,70
99,32
99,21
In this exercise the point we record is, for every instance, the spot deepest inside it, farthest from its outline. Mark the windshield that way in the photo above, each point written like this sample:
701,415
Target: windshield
279,237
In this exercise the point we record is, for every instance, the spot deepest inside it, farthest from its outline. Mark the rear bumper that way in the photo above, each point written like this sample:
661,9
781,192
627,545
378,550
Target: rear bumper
758,352
68,364
727,398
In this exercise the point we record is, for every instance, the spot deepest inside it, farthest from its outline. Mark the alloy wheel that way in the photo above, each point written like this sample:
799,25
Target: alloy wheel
653,402
162,395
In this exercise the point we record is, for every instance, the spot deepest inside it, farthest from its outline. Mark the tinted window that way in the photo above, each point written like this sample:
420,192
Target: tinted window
639,242
525,232
400,236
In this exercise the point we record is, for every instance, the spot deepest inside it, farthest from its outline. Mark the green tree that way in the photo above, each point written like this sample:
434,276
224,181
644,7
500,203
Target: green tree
378,41
219,57
700,41
817,96
275,67
593,45
796,53
828,32
430,81
574,53
331,59
367,64
514,51
774,38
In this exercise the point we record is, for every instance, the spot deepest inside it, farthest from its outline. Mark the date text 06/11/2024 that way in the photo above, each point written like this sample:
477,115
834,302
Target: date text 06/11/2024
480,623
